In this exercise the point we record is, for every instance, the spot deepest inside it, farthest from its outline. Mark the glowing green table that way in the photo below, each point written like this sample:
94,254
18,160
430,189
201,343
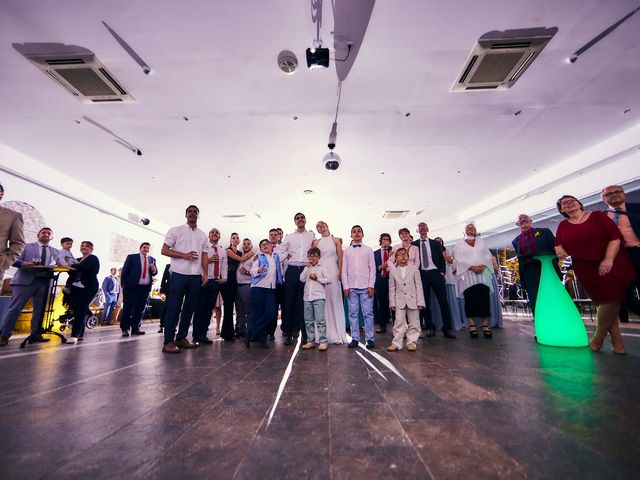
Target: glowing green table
557,320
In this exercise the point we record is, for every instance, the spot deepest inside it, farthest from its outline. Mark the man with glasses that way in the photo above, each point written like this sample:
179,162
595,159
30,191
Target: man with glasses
627,217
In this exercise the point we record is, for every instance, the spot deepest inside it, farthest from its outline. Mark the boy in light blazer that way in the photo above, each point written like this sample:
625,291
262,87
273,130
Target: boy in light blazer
405,298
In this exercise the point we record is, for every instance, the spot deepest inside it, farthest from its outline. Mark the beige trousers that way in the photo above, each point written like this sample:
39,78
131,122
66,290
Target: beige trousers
407,320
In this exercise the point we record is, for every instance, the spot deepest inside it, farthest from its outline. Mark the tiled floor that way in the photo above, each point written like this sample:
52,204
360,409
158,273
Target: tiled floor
506,407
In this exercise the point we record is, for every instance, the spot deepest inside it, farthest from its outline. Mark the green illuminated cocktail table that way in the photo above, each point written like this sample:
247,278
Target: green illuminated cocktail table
557,320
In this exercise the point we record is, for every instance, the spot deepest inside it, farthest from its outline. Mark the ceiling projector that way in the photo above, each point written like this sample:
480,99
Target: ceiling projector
317,58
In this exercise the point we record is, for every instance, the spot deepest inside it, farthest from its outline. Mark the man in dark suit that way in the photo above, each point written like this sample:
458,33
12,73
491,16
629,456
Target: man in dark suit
30,283
111,290
137,276
530,242
382,314
11,237
627,217
432,269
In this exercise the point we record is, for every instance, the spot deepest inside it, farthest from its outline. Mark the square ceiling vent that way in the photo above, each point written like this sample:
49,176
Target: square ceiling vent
499,59
77,70
395,213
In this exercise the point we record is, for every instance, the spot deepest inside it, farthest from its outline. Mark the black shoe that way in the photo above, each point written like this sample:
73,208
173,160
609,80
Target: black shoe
38,339
288,341
161,330
486,332
4,341
247,341
381,330
353,344
125,333
371,344
138,332
448,334
431,332
205,340
473,332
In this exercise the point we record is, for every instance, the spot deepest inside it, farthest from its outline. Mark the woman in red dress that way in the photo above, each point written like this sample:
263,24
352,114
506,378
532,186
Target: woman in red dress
603,268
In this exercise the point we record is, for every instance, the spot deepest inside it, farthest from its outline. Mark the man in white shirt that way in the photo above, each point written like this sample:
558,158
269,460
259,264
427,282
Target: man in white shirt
187,246
296,245
217,272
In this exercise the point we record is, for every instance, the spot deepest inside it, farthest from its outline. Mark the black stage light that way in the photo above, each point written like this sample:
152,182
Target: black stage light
317,58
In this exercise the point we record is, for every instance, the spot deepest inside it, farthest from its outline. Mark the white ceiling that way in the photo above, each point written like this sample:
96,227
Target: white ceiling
241,150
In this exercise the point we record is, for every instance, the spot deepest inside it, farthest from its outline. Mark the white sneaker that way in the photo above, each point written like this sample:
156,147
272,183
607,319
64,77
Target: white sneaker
72,340
78,284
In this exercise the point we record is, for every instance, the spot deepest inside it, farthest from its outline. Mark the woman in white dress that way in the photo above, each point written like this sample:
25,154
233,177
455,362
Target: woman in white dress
331,250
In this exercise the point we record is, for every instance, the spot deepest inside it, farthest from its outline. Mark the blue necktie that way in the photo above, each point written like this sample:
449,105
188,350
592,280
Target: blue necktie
616,216
356,245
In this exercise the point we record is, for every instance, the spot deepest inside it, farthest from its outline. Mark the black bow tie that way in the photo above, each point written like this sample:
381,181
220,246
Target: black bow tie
356,245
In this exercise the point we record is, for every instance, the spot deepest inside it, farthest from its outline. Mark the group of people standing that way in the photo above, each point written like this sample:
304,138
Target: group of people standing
604,247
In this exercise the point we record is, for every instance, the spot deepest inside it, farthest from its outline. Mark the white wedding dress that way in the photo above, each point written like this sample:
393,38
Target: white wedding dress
333,306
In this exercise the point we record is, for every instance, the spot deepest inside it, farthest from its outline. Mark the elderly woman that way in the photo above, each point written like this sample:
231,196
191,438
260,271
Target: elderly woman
603,268
473,265
87,267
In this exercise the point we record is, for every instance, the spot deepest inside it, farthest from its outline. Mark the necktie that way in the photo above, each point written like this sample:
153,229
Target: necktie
425,255
385,257
145,267
616,216
216,263
356,245
43,255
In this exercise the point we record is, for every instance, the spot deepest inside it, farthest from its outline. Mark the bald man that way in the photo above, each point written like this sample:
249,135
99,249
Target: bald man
627,217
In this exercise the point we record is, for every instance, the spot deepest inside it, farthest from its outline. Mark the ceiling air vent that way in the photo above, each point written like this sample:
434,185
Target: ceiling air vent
395,213
500,58
236,218
77,70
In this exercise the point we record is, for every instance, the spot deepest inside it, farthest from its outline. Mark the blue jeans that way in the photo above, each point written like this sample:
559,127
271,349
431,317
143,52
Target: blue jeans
263,306
314,317
37,291
109,305
359,298
182,302
206,303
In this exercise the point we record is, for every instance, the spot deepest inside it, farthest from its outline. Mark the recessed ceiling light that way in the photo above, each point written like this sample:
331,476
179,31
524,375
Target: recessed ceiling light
307,192
408,114
626,111
295,117
515,114
186,119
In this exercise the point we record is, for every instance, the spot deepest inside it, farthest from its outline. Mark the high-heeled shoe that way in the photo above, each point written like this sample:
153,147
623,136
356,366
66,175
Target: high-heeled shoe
473,331
486,332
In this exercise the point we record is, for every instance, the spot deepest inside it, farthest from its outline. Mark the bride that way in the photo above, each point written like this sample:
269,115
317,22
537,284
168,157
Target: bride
331,249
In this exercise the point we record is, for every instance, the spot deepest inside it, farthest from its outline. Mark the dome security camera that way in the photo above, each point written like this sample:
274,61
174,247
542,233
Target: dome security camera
145,221
331,161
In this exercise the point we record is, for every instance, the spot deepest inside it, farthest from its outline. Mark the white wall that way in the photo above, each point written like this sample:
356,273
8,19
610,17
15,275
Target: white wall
70,218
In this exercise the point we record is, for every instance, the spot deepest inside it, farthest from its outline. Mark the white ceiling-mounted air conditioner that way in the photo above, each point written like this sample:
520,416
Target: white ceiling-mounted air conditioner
395,213
78,71
499,59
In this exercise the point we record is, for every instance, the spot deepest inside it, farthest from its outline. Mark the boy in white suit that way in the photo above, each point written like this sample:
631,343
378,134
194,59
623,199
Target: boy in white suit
405,298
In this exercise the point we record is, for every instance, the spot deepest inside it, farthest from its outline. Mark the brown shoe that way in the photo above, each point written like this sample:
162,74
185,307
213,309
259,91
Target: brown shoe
183,343
170,348
393,348
323,347
411,347
309,345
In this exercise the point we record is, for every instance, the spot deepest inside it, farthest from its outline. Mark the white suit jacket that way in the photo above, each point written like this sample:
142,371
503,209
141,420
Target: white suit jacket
406,292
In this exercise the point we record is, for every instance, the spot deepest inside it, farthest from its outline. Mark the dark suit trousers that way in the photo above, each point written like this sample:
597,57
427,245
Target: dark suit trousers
80,301
433,279
206,302
382,313
271,328
263,304
632,302
294,306
134,300
229,290
530,278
